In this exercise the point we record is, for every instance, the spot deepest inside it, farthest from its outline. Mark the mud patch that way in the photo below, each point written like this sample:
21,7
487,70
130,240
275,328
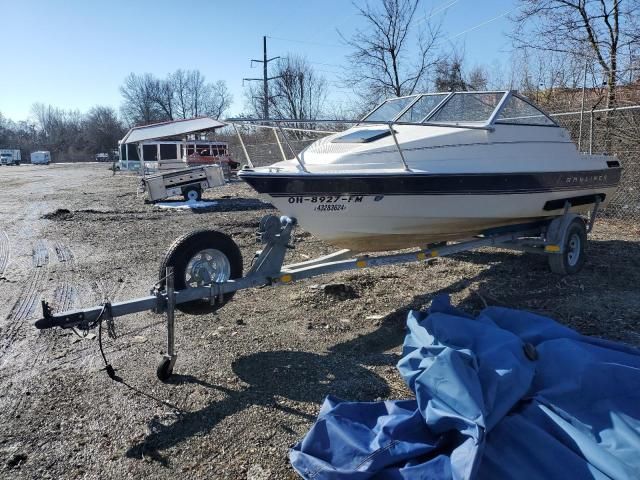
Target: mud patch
59,214
62,214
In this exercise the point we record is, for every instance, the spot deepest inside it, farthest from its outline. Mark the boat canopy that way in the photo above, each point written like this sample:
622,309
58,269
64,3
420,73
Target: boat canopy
475,108
173,128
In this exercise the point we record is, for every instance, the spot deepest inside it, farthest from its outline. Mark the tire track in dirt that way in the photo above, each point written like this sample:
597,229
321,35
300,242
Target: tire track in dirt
5,250
64,298
24,307
65,294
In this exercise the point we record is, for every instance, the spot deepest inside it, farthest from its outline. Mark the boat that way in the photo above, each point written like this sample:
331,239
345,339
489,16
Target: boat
436,167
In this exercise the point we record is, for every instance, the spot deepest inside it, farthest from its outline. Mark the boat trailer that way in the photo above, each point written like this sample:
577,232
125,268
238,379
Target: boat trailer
202,270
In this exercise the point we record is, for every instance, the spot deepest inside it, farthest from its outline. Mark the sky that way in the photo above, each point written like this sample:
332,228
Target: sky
75,54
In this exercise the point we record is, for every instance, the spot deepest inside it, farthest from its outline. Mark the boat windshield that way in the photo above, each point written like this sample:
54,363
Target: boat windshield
520,112
421,109
460,108
468,107
390,109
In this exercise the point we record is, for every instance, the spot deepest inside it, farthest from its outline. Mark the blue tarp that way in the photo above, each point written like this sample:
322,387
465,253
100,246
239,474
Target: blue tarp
508,394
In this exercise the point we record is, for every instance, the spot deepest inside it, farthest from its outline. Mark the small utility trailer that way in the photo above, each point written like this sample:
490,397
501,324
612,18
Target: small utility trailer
188,182
202,270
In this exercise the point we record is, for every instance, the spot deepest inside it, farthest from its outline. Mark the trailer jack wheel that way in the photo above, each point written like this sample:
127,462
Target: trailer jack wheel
165,369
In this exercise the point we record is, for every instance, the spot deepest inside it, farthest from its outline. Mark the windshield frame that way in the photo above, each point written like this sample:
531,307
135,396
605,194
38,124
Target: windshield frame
489,123
378,106
444,95
527,101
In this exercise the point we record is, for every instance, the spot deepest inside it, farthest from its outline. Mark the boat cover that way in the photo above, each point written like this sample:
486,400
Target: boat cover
508,394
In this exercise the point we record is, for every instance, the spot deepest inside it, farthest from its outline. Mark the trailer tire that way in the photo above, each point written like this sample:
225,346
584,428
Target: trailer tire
192,194
185,249
572,258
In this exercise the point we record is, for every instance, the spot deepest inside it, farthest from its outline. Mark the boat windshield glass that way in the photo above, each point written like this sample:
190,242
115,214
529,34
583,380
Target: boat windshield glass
423,107
468,107
389,109
521,112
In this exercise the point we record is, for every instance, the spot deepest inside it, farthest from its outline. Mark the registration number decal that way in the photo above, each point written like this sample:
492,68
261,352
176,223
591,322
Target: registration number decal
327,199
327,203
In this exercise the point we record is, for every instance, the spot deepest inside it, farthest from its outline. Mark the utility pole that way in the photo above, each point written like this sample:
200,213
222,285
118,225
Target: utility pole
265,78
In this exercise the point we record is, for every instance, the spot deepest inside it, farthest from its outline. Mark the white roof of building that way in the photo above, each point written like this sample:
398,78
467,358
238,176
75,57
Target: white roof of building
171,129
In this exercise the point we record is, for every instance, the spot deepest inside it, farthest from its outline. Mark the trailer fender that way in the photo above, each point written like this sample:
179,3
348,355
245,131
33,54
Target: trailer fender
557,232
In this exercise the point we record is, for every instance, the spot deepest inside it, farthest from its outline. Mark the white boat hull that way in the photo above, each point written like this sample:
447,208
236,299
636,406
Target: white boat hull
377,223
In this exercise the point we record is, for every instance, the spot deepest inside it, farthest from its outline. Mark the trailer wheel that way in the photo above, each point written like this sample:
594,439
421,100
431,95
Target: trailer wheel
199,258
572,258
192,194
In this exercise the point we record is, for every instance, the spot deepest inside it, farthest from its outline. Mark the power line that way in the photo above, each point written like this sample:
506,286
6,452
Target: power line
327,64
483,23
435,12
307,42
321,63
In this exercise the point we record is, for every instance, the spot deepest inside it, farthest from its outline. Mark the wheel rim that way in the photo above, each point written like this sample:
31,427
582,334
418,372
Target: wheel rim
192,195
573,249
207,266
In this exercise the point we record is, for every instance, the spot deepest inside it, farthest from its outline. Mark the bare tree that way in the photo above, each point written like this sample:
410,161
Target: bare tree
164,95
550,78
183,94
140,94
597,29
58,129
388,58
218,99
181,97
102,129
297,92
196,91
449,76
478,78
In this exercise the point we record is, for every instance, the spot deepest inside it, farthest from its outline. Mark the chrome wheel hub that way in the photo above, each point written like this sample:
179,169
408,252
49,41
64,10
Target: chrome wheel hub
573,249
206,267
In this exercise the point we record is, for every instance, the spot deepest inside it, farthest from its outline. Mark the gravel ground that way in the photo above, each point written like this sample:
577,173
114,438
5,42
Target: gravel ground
249,379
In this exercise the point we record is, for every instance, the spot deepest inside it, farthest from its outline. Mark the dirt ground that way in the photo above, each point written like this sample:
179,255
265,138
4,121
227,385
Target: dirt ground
249,379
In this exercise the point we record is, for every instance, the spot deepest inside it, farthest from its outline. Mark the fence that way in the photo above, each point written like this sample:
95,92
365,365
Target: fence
616,132
613,131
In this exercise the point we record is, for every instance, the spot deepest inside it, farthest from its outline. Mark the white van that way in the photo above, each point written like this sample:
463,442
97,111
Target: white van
40,158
